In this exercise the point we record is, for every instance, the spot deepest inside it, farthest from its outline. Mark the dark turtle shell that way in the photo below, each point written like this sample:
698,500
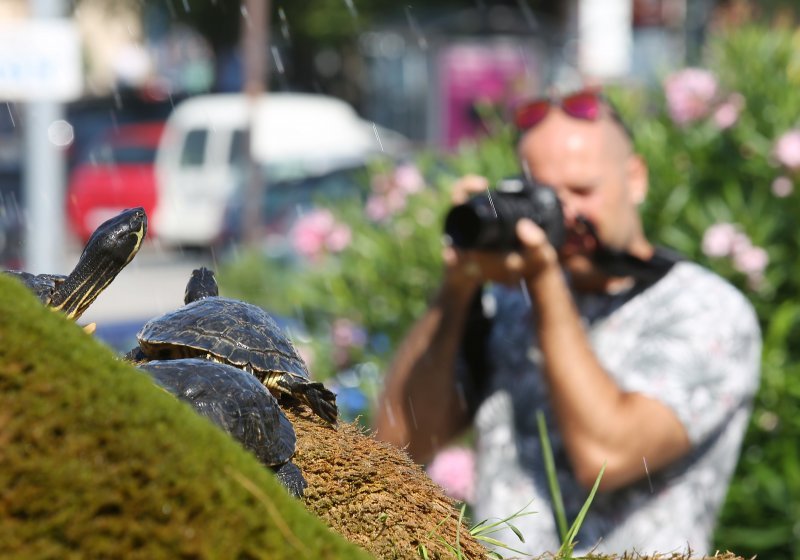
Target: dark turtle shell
232,331
43,285
239,334
234,400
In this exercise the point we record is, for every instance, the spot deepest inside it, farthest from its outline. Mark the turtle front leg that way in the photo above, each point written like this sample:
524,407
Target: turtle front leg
321,400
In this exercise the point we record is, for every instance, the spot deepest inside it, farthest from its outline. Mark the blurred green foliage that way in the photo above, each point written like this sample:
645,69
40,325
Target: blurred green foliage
702,173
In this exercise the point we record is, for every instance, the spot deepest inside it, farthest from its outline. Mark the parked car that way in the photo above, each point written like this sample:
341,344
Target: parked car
117,172
202,154
284,201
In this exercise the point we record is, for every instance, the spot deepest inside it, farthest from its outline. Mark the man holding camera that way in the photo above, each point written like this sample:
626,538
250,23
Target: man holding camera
640,362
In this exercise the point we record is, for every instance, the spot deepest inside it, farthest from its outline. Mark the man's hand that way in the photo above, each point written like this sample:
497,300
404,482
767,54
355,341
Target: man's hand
472,268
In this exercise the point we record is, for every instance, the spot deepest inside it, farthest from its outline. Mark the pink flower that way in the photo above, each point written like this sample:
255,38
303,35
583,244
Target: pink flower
727,113
454,470
377,208
740,243
787,149
389,192
338,238
752,261
310,231
408,178
690,93
318,231
346,334
782,186
718,240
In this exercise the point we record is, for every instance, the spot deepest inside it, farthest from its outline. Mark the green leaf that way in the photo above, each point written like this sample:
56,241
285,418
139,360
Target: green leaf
568,544
552,478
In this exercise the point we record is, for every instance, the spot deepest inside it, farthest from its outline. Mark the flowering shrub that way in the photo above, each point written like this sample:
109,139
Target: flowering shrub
723,148
390,191
723,192
690,94
726,240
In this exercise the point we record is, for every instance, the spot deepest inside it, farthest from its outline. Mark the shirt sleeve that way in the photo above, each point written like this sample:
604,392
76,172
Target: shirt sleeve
701,358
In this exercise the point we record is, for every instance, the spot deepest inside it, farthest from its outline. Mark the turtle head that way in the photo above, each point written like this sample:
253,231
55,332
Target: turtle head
110,248
202,284
118,239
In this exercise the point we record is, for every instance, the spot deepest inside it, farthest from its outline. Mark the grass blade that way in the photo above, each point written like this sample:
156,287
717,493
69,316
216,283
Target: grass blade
568,543
552,479
458,530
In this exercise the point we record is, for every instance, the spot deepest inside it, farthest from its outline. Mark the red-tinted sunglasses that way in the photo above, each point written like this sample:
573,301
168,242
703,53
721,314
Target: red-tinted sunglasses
585,105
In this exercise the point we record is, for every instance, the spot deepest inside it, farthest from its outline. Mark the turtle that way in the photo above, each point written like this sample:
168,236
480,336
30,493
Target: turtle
237,402
109,249
237,333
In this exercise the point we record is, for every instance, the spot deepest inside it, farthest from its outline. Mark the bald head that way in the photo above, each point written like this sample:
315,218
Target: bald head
562,135
594,170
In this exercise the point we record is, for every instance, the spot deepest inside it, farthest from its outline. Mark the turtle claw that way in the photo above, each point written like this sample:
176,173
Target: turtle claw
292,478
90,328
321,400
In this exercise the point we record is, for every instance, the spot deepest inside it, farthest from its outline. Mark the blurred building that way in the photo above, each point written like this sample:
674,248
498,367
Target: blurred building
427,75
423,72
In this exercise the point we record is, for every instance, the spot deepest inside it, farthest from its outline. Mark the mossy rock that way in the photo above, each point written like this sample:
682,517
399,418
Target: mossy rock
97,462
375,496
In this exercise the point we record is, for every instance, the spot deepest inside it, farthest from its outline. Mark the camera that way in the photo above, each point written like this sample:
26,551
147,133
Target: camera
487,221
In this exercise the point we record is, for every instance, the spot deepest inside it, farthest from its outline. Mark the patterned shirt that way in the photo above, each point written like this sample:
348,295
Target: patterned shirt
690,341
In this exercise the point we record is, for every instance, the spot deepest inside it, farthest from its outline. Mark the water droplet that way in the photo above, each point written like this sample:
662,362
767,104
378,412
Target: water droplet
647,471
11,115
375,129
352,8
60,133
525,293
528,14
413,414
171,9
284,24
416,29
489,194
276,56
390,413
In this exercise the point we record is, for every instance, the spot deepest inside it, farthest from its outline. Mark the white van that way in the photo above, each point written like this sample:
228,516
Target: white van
201,157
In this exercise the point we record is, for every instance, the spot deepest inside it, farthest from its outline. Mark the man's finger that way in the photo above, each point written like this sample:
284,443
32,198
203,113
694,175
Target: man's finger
467,186
530,234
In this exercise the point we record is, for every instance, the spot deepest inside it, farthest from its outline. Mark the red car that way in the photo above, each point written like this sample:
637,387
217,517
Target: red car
117,173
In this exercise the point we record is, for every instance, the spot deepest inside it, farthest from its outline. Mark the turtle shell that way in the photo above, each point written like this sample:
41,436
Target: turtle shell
234,400
43,285
230,330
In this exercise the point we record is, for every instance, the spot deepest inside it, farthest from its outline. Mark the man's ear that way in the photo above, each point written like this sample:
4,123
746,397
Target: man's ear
638,178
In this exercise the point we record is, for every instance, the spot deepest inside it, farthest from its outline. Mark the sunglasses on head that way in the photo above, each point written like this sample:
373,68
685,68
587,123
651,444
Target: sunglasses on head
585,105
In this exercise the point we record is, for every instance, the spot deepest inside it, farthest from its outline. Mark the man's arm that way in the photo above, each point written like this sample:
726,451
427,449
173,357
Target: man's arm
599,422
421,406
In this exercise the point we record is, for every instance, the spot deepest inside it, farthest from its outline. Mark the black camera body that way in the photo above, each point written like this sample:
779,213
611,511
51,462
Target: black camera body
487,221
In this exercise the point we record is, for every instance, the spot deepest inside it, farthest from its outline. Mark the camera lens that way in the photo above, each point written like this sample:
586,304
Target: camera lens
473,225
487,221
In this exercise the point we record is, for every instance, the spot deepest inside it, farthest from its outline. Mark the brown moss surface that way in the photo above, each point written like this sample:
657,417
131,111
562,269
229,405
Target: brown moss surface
97,462
374,495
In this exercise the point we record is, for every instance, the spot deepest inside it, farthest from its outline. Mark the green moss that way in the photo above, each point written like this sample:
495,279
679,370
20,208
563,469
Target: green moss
97,462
